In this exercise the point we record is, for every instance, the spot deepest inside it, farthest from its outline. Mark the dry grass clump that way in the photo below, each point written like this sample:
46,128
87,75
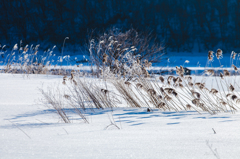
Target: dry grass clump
124,52
78,95
166,93
53,99
178,93
27,60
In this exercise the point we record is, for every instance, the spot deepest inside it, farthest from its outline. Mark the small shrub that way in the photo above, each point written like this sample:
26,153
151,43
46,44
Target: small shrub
116,50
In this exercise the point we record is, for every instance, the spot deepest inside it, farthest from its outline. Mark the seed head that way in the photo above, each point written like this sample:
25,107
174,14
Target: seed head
174,80
149,64
190,84
159,96
221,75
200,85
188,106
234,97
223,103
201,105
180,85
15,47
127,83
74,82
169,90
182,69
139,85
196,101
25,50
116,63
210,55
104,91
170,78
198,95
238,101
231,88
210,72
105,56
138,61
189,78
214,91
161,79
179,79
219,54
235,68
234,55
161,105
66,96
167,98
162,90
146,63
175,93
152,91
229,94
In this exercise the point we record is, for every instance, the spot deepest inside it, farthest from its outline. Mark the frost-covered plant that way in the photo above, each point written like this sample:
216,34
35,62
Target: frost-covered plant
53,99
129,68
27,60
114,47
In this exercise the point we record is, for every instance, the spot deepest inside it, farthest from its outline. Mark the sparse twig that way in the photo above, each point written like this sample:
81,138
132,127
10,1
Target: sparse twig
215,153
20,129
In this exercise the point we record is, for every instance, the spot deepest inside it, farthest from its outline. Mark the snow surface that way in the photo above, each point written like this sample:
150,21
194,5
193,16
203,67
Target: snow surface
31,130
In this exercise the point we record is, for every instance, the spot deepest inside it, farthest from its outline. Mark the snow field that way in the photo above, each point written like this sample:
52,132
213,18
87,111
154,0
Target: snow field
143,134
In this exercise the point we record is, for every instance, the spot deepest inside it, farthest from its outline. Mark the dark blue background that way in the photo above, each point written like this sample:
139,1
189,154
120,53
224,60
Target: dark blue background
183,25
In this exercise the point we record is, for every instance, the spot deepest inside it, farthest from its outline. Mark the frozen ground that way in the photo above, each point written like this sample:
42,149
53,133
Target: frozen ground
30,130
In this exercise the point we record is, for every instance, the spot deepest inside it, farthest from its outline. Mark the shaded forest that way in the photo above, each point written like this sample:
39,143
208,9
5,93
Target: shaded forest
183,25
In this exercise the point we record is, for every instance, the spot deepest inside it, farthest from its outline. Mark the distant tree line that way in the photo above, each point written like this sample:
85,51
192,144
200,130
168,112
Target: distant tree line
183,25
